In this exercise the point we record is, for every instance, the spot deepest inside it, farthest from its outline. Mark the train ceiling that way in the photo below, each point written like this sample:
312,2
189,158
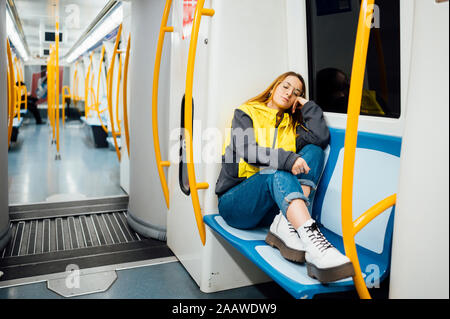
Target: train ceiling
38,19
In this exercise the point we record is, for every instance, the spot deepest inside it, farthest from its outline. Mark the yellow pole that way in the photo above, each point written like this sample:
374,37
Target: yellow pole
11,91
102,55
18,88
75,86
193,185
86,89
49,117
53,95
75,96
110,87
97,102
355,96
124,96
51,91
119,77
57,86
159,163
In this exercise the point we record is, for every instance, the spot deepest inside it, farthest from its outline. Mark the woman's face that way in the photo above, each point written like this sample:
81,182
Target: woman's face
287,92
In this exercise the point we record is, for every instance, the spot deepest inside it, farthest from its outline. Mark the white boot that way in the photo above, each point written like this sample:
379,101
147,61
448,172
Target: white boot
282,235
323,261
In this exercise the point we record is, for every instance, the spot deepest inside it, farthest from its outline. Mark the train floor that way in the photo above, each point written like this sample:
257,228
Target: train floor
165,280
84,171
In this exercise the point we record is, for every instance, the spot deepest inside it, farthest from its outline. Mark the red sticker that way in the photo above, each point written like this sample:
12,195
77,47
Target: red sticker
188,17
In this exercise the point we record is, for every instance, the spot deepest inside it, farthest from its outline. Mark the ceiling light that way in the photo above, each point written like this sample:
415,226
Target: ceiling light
14,38
107,25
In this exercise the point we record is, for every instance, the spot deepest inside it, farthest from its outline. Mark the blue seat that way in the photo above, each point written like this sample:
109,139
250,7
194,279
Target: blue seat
376,177
15,129
17,123
99,136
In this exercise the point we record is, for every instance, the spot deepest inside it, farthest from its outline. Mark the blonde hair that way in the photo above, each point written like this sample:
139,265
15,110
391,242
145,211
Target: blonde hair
266,96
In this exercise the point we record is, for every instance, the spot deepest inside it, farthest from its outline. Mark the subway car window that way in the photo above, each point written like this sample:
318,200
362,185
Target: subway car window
183,178
331,40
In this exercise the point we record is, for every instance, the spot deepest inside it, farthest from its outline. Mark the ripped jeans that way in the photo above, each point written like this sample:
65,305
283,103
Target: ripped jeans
257,200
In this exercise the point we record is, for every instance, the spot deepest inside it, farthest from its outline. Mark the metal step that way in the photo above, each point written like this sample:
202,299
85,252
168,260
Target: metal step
68,208
36,236
49,237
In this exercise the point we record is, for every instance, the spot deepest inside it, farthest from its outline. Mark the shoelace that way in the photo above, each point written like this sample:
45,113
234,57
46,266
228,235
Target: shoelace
292,229
317,237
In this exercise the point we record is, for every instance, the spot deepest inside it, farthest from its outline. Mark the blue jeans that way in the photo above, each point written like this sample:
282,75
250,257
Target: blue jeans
257,200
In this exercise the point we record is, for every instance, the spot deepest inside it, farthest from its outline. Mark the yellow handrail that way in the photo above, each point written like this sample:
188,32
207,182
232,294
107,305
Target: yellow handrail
50,92
75,96
9,97
17,102
86,88
97,102
350,228
119,77
159,163
17,88
22,89
193,185
109,91
91,89
57,84
124,96
11,92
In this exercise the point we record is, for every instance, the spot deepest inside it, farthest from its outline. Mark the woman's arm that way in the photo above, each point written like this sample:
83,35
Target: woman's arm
244,144
314,130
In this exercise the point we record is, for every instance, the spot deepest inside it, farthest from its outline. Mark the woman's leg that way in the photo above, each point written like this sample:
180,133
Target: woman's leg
246,204
323,261
298,212
249,203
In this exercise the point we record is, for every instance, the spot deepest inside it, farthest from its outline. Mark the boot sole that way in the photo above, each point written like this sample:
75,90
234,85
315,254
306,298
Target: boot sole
297,256
330,274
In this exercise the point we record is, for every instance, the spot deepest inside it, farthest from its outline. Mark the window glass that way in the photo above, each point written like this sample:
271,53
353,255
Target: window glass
183,178
332,28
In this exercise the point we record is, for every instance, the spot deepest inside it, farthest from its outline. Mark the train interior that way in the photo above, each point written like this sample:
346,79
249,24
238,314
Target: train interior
115,117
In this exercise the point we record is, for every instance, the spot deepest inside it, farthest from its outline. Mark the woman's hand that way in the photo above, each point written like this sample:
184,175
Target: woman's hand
298,104
300,167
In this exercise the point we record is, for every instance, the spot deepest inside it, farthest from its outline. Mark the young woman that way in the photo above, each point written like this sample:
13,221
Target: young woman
271,164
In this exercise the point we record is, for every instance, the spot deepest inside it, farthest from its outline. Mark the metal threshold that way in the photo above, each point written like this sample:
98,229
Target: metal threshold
52,238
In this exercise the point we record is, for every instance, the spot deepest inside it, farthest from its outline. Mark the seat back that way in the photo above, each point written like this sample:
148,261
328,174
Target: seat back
377,164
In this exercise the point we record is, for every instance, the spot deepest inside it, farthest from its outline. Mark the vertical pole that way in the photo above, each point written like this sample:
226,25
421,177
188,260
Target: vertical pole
57,87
